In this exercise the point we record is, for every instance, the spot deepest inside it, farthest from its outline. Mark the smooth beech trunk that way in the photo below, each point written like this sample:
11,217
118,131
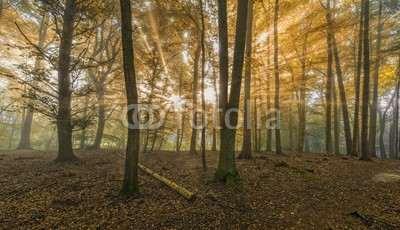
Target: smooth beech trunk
226,170
246,148
366,155
278,144
356,127
328,123
374,104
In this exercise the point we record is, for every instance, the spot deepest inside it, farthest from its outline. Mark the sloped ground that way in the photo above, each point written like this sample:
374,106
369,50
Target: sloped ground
299,191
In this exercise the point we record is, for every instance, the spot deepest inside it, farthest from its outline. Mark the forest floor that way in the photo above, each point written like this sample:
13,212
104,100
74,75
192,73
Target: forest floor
298,191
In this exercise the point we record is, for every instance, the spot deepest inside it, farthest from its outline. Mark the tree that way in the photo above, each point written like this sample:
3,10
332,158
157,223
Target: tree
374,105
277,81
25,139
203,77
246,148
366,155
342,92
130,184
226,170
356,127
195,90
328,123
64,125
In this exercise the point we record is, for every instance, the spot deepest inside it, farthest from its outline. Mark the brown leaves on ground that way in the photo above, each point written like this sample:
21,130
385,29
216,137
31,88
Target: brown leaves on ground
301,191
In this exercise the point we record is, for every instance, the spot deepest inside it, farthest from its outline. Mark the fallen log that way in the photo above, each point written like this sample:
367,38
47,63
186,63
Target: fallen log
182,191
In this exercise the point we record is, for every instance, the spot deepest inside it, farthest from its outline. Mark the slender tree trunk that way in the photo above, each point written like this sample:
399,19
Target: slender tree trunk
203,77
246,148
328,123
64,126
226,165
25,138
154,140
374,105
278,144
101,119
83,134
195,89
336,120
269,105
342,93
130,184
365,103
215,114
302,106
179,112
382,124
356,130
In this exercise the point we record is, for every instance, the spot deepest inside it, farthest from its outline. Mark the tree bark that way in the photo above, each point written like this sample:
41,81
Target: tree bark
342,94
278,144
64,126
365,102
269,104
374,105
25,138
193,139
246,148
226,165
101,119
328,123
336,120
356,129
203,98
130,184
82,144
302,104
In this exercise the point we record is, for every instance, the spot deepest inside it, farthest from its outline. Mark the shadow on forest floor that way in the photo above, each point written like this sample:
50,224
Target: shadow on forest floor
293,191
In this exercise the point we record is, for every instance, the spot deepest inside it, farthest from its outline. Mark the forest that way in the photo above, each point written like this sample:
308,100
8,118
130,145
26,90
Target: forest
200,114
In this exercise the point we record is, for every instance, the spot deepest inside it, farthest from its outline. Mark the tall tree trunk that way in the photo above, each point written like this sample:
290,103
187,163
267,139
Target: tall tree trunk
302,106
278,144
365,102
203,77
342,93
374,105
356,129
64,126
179,112
130,184
25,138
195,89
269,104
328,123
382,125
226,165
336,120
246,148
215,116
